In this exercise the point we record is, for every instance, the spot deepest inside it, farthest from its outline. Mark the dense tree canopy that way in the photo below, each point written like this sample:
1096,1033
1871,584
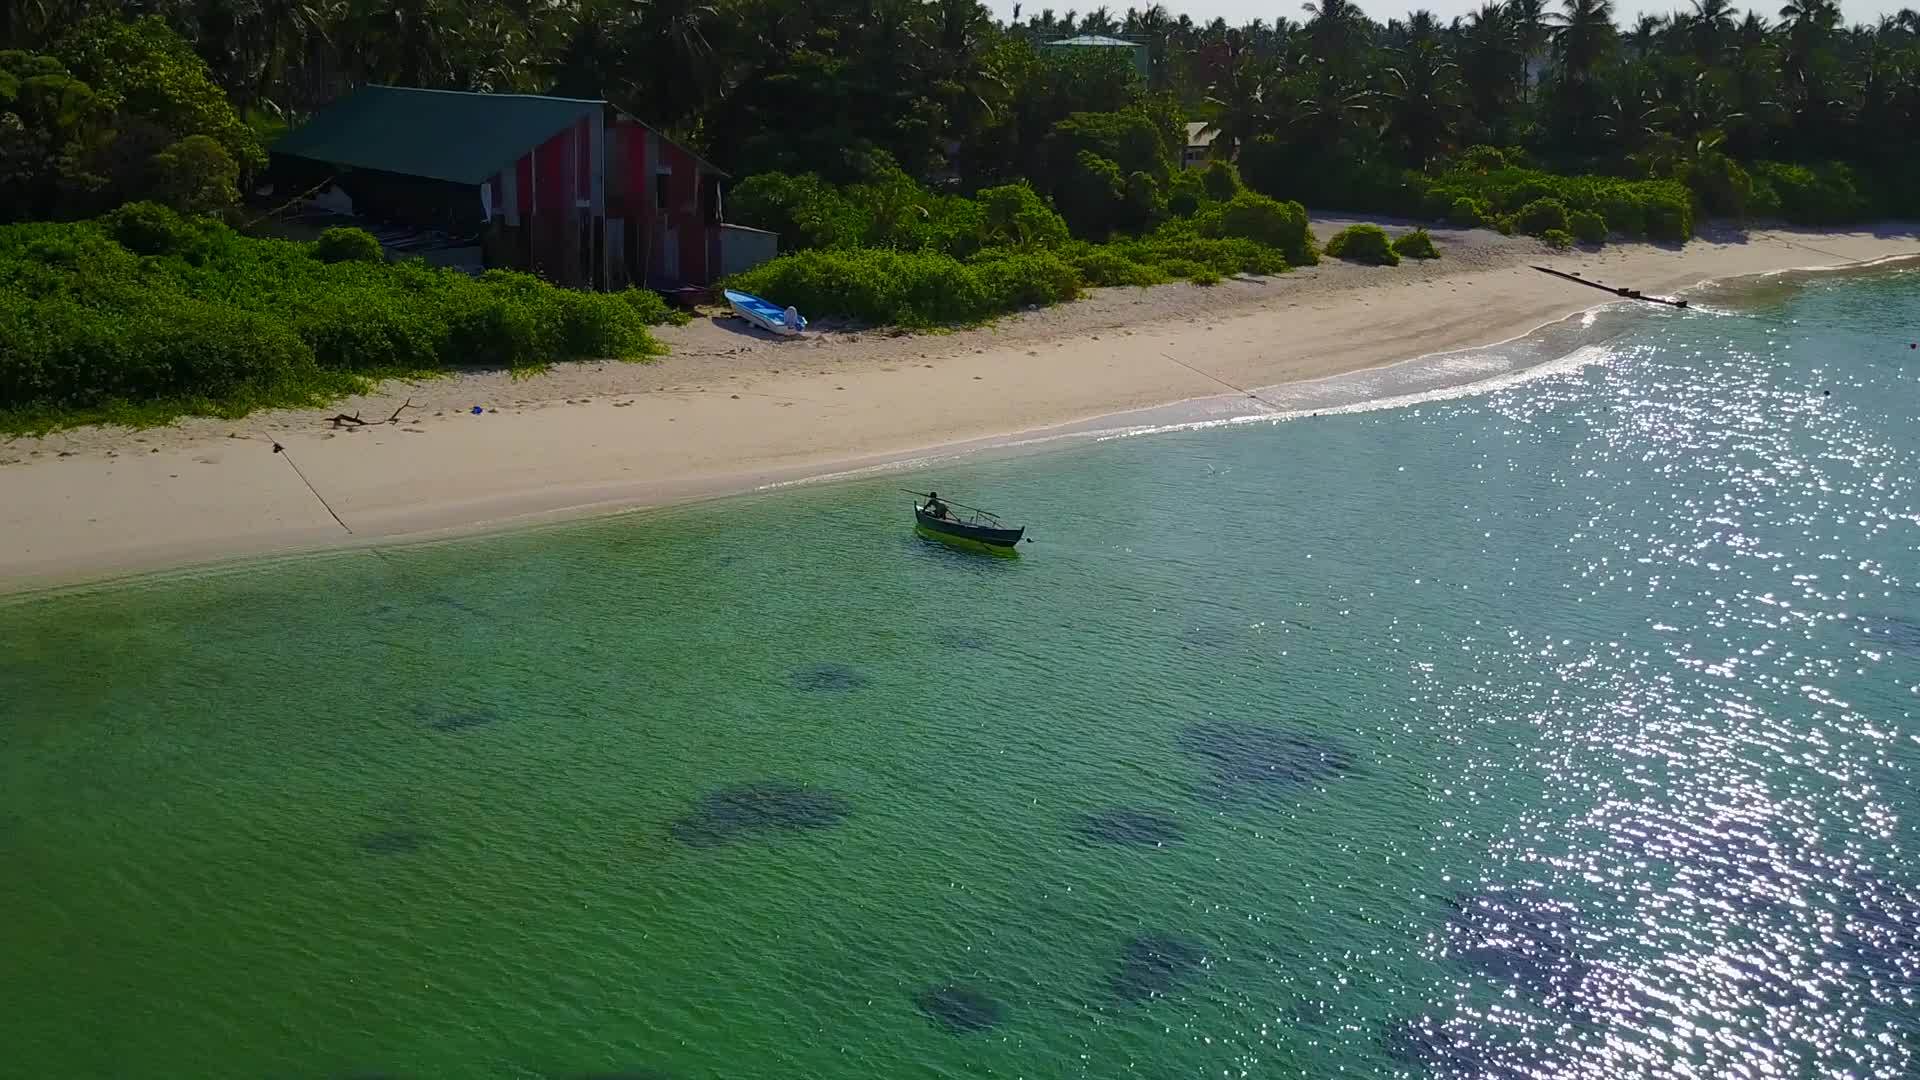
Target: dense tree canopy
945,92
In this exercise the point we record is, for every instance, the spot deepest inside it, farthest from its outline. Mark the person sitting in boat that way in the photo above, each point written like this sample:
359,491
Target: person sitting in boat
934,506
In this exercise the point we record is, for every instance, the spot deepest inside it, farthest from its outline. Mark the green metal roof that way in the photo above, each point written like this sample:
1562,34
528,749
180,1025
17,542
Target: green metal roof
444,134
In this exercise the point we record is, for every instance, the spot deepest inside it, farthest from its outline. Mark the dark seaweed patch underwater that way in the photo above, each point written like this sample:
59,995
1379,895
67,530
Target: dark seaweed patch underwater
1251,759
392,842
959,1008
1122,825
1154,965
1522,940
826,679
742,810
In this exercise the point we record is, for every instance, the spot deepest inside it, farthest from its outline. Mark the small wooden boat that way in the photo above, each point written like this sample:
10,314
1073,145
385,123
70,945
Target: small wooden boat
979,531
765,314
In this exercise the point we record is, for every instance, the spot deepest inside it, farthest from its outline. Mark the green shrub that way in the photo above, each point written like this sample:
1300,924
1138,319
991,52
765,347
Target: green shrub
205,320
1274,224
1558,239
916,289
1101,265
1184,268
1541,216
652,309
1481,159
1181,243
1466,213
344,243
196,176
1022,279
1014,215
1417,244
1819,195
1183,204
147,228
1363,244
1204,276
1220,181
1587,226
1670,221
1719,184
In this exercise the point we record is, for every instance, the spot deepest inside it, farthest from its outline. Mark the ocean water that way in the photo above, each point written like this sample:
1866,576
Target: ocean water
1563,730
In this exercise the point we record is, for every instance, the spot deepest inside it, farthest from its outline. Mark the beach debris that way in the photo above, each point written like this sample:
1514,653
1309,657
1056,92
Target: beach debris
1249,758
1154,965
393,842
340,420
763,806
477,410
826,678
1123,825
959,1008
1630,294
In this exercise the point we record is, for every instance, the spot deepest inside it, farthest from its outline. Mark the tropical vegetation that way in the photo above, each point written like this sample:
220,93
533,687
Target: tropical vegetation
142,315
924,162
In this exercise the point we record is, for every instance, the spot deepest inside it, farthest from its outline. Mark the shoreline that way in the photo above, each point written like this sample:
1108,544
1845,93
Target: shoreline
730,413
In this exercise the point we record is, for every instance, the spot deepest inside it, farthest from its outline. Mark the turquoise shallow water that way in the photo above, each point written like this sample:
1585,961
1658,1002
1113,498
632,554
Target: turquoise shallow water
1565,731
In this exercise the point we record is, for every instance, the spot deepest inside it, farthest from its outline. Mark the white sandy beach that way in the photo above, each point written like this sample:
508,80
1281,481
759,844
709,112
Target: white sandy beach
729,411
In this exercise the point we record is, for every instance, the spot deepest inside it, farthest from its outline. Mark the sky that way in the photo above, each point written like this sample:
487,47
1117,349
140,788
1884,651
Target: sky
1238,12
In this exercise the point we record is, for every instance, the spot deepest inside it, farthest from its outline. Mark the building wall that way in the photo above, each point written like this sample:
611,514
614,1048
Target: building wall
620,172
743,249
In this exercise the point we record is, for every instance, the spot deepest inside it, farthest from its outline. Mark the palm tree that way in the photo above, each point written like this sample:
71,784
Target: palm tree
1645,35
1332,107
1583,36
1492,65
1532,27
1099,21
1334,31
1421,97
1241,105
1709,28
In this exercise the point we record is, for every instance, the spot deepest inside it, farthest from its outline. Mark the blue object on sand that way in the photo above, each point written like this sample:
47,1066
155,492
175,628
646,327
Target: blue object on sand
477,410
764,314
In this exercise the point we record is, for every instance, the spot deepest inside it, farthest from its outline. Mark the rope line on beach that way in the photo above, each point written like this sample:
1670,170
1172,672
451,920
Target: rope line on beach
1223,382
1823,251
282,451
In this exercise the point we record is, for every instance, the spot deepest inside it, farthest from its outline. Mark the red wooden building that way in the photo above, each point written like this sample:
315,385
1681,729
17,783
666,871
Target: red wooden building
572,189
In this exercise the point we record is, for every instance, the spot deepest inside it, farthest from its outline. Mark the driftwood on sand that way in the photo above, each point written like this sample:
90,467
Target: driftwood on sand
340,420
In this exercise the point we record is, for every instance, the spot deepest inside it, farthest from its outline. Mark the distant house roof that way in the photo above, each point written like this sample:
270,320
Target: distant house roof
1097,39
450,135
443,134
1198,136
1137,50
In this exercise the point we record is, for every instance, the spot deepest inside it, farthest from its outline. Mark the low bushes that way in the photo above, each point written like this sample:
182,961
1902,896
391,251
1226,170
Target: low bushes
1482,183
1363,244
1826,194
143,315
1417,244
1269,222
1558,239
914,289
1540,217
1587,227
1466,213
346,244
